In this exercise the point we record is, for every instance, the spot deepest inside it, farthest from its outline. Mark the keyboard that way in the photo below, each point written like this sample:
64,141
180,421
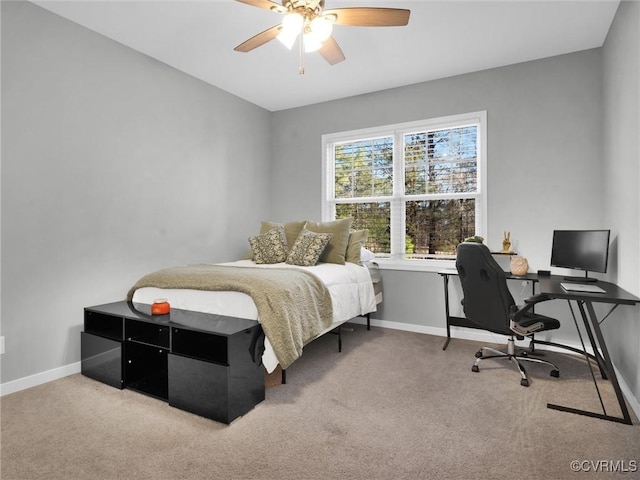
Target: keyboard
580,287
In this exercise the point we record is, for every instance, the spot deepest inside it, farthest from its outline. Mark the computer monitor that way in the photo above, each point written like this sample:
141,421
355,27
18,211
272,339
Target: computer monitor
586,250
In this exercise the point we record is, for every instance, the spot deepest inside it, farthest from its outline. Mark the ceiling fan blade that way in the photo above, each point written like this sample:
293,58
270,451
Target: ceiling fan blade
370,16
331,51
266,4
259,39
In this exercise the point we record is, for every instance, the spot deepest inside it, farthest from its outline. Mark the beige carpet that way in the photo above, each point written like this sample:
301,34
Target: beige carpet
392,405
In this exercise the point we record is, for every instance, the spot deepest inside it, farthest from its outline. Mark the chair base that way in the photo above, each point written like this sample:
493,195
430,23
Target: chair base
515,358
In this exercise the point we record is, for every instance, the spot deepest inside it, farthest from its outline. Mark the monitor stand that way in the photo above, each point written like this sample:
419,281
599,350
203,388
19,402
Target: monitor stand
585,279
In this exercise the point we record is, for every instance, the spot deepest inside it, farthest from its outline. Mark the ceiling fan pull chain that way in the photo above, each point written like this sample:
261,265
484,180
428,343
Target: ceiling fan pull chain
301,60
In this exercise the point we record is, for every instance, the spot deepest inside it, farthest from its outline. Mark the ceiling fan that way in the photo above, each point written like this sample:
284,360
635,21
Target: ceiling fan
309,20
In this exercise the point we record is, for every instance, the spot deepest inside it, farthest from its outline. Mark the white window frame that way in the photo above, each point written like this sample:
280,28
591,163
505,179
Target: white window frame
397,260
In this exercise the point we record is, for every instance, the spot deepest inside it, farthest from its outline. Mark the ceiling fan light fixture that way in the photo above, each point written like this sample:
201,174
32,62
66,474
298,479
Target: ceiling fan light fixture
311,42
291,27
314,25
287,39
321,28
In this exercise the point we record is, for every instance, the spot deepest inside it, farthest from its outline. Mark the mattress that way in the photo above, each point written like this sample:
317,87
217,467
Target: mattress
350,285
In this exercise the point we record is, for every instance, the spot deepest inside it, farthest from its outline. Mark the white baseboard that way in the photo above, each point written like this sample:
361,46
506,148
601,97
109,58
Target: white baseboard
460,333
39,379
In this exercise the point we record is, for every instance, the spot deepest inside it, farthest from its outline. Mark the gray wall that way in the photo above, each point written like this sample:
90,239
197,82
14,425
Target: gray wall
621,57
544,159
546,165
113,165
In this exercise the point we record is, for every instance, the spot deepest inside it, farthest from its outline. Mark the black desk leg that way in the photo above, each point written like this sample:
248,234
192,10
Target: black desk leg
594,345
608,366
446,310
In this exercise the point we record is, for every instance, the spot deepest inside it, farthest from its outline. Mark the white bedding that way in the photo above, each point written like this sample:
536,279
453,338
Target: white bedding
350,286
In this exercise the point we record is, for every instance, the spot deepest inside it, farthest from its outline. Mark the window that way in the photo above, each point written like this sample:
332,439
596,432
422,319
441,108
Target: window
419,187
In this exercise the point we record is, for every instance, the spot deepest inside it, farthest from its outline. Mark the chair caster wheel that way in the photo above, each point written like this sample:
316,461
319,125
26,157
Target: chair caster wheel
479,354
524,382
475,368
555,373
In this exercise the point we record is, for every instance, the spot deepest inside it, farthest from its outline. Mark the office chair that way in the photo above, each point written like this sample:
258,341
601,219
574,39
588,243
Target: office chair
488,303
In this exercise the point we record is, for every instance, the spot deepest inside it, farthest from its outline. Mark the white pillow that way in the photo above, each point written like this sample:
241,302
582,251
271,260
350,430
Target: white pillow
366,255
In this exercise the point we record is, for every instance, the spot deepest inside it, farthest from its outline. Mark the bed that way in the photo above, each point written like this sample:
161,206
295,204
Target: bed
350,288
326,287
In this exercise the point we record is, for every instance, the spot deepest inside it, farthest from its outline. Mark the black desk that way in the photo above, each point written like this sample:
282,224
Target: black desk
463,321
614,296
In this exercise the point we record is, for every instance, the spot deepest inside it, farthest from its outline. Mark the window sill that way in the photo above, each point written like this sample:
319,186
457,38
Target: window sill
434,266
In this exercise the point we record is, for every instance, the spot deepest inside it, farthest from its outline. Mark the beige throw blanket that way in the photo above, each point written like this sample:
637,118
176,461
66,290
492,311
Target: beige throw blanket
294,306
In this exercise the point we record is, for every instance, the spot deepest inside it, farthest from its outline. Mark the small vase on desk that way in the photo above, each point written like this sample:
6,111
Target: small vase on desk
519,266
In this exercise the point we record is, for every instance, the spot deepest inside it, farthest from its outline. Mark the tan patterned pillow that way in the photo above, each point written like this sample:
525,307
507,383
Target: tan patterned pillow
291,230
270,247
307,248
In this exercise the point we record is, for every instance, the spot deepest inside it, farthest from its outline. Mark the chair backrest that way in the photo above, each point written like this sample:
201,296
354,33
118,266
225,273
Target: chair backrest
487,301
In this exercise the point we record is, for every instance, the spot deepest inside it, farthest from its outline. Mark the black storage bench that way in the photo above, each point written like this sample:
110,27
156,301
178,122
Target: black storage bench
203,363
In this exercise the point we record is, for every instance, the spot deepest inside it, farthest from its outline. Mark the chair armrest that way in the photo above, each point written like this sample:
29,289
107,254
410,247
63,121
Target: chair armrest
517,312
523,326
540,297
520,322
523,330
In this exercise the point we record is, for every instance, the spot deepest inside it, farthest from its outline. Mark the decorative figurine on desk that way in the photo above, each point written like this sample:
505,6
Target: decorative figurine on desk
519,266
506,243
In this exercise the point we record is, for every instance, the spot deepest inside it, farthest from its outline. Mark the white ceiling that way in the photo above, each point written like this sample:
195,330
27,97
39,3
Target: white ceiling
443,38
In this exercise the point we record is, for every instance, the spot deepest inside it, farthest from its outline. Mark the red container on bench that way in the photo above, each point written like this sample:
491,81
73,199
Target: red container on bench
160,307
